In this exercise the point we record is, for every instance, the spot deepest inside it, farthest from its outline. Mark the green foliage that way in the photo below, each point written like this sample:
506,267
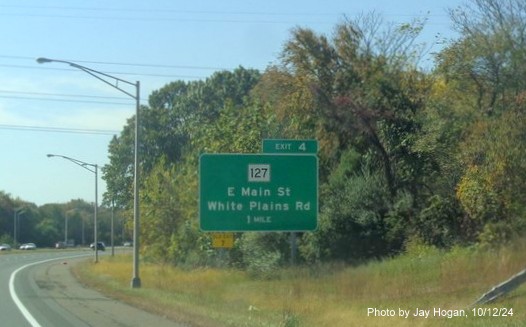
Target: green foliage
488,59
439,223
399,149
45,225
416,248
352,94
5,238
290,319
263,253
171,127
49,232
160,217
236,130
7,207
495,234
400,221
190,248
492,189
352,222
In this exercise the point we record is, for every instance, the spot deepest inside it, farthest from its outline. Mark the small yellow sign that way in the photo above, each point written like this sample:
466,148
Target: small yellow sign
223,240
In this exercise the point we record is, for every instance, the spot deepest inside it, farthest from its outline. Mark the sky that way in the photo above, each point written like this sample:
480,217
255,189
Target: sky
53,108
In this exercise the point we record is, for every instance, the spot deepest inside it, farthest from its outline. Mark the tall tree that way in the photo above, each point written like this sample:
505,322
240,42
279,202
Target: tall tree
482,80
489,57
363,89
359,93
177,114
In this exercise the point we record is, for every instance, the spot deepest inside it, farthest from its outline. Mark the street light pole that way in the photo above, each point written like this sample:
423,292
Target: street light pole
18,212
94,169
136,281
66,229
112,229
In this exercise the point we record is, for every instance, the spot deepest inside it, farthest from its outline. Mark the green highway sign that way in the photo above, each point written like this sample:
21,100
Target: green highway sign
290,146
258,192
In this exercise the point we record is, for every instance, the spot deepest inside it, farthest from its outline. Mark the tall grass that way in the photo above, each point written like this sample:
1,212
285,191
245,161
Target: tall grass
325,295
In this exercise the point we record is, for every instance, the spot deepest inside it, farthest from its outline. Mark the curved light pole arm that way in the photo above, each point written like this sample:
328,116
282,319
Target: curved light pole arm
83,164
97,74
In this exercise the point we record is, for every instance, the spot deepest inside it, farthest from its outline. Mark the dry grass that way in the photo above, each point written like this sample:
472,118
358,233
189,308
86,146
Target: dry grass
329,295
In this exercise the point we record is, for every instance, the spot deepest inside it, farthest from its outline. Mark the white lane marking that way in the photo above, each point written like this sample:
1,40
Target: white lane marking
29,317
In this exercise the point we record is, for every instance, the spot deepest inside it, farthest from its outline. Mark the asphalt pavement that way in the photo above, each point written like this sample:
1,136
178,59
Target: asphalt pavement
39,290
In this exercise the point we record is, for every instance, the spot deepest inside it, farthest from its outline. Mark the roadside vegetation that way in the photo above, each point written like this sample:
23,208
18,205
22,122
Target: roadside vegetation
422,177
328,295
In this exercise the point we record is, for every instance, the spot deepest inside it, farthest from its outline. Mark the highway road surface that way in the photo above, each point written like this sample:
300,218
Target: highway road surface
37,289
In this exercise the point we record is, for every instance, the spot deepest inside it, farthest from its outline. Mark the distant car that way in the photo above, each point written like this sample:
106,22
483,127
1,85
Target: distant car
28,246
5,247
100,245
60,245
127,244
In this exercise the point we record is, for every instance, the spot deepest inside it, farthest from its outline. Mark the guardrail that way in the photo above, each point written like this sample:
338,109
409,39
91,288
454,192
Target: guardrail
502,288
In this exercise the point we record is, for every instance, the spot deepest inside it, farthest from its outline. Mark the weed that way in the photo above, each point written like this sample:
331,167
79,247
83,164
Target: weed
328,295
290,319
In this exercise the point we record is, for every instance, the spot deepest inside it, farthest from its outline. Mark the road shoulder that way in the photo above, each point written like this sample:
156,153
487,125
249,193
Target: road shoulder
56,281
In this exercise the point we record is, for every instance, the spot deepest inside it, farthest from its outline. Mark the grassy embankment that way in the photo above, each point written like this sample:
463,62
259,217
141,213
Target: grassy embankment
328,295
